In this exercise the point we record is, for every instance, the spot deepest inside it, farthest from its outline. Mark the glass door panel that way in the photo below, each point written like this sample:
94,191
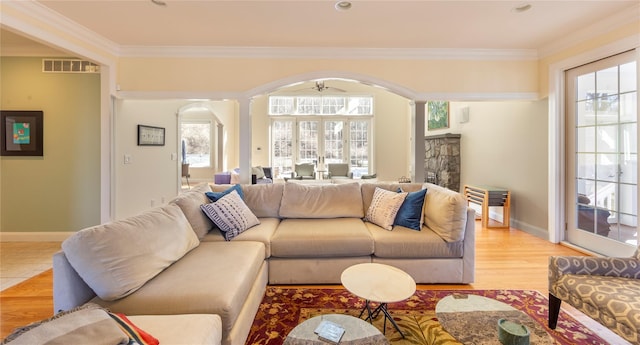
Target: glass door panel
333,142
321,142
602,155
308,141
282,148
359,148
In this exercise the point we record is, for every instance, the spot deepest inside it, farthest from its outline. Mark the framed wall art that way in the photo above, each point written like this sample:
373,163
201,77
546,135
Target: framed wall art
437,114
150,136
22,133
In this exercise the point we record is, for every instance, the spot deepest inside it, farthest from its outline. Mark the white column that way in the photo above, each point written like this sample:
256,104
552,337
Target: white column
417,126
244,147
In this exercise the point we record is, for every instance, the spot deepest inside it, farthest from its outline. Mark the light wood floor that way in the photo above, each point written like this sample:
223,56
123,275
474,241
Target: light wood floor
505,259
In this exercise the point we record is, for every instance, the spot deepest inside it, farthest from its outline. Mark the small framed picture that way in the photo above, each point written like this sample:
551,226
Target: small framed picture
22,133
437,114
150,136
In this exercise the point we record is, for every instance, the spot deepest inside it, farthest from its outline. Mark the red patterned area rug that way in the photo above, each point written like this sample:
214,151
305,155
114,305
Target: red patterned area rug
283,308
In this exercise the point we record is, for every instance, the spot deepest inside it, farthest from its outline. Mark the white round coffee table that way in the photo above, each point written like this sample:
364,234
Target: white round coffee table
357,332
378,283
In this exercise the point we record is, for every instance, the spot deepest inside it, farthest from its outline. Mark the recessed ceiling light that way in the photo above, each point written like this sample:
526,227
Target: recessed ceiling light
159,2
522,8
343,5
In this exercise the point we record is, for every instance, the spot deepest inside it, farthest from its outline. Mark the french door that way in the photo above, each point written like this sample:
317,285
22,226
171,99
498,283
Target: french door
320,140
602,155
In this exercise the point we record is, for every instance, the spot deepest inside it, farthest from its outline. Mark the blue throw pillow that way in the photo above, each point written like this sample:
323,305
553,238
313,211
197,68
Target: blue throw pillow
215,196
410,213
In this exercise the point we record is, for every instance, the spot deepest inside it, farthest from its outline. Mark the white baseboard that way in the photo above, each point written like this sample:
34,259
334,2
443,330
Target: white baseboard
34,236
530,229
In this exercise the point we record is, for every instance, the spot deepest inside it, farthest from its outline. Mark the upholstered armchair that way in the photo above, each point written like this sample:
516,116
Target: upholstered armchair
261,175
305,171
604,288
339,170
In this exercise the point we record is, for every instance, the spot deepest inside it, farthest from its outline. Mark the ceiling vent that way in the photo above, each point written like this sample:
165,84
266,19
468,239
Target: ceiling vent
69,66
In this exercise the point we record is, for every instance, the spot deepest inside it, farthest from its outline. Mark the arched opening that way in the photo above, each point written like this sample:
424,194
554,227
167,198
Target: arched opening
393,116
201,140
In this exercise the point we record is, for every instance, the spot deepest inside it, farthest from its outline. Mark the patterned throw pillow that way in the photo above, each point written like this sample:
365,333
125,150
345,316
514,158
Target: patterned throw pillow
384,207
410,213
86,324
231,215
136,335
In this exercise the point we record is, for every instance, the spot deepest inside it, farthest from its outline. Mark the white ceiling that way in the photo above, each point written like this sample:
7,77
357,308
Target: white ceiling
316,23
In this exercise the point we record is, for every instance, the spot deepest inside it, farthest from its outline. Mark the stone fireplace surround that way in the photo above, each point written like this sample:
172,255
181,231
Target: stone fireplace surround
442,160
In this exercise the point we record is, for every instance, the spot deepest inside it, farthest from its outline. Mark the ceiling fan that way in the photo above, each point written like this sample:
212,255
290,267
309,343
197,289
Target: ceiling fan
320,87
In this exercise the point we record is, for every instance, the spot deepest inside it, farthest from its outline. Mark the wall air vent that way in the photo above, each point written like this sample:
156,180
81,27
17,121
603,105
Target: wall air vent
69,66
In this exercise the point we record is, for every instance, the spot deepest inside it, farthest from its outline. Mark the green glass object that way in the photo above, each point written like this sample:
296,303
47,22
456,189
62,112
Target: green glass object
511,333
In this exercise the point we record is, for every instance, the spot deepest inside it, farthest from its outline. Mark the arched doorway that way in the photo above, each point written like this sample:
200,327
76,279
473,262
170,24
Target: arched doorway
338,84
200,141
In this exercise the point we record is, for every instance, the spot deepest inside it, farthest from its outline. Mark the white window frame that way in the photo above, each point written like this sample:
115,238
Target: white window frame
211,136
314,105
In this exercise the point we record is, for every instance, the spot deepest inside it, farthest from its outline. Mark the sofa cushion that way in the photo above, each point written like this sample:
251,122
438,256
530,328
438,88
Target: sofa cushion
411,213
116,259
445,212
182,329
189,202
259,233
321,201
321,238
214,278
384,207
263,199
403,242
231,215
215,196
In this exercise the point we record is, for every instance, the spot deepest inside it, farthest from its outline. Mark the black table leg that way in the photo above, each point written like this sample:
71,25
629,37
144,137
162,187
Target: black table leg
373,314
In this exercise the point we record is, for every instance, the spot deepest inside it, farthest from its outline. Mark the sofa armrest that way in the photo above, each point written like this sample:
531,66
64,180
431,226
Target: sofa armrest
469,259
69,290
595,266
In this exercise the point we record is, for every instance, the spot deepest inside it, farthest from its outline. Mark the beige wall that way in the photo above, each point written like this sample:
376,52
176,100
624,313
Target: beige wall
627,31
152,177
243,74
504,144
61,190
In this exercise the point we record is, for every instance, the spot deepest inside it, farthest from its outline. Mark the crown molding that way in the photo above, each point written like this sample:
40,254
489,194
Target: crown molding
43,14
329,53
603,26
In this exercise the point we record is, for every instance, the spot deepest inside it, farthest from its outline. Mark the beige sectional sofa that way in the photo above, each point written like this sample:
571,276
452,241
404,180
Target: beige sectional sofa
172,261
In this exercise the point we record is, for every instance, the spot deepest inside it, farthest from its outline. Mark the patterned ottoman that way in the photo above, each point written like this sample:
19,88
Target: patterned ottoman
605,289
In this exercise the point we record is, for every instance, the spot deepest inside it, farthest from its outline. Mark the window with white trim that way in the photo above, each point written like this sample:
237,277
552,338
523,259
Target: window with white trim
196,137
321,130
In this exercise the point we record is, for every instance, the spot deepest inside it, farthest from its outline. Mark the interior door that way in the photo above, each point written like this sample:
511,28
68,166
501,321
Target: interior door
602,155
